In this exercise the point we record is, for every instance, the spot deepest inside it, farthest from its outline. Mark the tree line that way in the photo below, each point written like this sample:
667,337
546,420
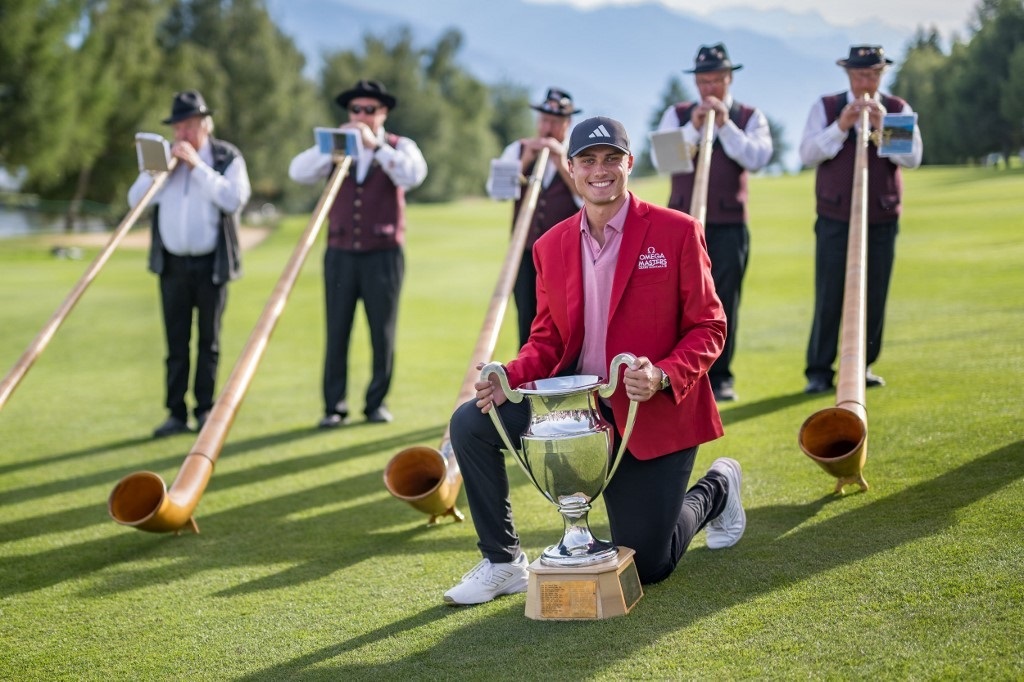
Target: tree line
969,99
78,78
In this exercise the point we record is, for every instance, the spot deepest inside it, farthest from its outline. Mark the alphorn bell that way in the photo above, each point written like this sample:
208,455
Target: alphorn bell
21,367
430,479
837,437
142,500
699,200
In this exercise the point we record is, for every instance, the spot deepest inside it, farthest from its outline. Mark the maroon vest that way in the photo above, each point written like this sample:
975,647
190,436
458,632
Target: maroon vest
368,216
554,205
727,180
833,185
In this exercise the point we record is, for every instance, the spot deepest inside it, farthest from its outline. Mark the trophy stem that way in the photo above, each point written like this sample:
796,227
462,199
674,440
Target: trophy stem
578,546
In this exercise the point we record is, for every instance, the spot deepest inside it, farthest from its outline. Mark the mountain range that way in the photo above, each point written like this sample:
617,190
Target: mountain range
615,60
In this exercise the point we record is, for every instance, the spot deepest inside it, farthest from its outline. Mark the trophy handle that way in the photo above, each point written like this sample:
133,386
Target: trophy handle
515,397
613,373
605,392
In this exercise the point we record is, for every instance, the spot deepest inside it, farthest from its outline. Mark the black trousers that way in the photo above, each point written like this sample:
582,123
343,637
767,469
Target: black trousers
729,250
829,283
525,293
375,277
186,285
649,508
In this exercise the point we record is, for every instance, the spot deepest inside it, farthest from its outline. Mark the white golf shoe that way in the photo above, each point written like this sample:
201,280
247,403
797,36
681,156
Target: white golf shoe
487,581
727,528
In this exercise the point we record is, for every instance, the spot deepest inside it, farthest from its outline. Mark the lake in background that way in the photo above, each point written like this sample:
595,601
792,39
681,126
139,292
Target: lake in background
18,222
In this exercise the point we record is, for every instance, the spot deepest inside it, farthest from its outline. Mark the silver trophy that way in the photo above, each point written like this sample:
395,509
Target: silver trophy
568,452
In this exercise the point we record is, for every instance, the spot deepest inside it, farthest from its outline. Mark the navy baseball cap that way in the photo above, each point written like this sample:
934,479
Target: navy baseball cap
596,131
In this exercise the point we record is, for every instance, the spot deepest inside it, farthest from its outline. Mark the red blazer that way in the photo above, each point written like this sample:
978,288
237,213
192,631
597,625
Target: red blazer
663,306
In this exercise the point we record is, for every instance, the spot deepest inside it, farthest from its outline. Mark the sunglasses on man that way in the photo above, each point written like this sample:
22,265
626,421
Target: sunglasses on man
369,109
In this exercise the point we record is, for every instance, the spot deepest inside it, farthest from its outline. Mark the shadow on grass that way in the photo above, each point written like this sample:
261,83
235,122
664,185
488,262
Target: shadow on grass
315,532
737,412
74,454
74,519
769,558
82,517
67,484
113,475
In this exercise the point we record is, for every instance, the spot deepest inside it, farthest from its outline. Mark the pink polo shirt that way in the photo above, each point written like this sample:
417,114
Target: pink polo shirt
598,273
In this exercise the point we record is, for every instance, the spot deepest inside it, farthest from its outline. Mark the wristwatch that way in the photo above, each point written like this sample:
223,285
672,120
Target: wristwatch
665,382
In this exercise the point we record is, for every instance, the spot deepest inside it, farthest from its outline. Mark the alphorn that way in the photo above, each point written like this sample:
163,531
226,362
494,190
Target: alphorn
430,479
837,437
699,200
142,500
21,367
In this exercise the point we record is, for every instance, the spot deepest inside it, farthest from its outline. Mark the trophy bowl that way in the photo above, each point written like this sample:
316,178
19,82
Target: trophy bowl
568,452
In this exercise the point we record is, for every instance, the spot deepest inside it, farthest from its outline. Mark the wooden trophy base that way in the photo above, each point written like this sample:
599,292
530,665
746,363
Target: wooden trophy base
605,590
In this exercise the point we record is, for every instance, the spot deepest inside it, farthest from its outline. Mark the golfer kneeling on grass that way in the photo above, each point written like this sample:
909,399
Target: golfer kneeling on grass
619,276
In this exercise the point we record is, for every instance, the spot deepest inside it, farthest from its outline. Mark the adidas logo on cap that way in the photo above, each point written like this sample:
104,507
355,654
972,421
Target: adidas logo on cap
595,131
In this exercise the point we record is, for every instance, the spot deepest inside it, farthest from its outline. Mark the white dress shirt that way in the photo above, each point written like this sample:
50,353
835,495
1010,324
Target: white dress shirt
191,202
750,147
404,164
821,142
513,152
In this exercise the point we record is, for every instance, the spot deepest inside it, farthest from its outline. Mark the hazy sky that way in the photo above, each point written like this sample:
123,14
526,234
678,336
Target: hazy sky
947,15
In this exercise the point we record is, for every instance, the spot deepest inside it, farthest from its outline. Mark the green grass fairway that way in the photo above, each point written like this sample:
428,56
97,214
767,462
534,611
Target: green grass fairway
307,569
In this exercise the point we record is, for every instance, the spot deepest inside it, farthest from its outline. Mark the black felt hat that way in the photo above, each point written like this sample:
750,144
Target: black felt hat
713,58
557,102
865,57
367,88
187,104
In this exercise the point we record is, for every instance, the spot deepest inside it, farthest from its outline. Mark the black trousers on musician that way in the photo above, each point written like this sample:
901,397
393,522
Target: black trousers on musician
375,278
525,292
729,250
829,285
649,507
186,291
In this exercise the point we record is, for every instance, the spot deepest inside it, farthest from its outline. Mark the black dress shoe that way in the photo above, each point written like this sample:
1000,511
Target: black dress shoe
817,386
171,427
333,421
379,416
871,379
724,393
201,420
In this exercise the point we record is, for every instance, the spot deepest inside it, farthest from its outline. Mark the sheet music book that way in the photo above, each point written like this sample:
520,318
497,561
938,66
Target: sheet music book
671,151
330,140
897,134
504,180
153,151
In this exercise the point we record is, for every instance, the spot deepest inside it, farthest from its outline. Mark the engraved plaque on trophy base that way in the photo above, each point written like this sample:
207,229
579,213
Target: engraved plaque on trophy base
605,590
